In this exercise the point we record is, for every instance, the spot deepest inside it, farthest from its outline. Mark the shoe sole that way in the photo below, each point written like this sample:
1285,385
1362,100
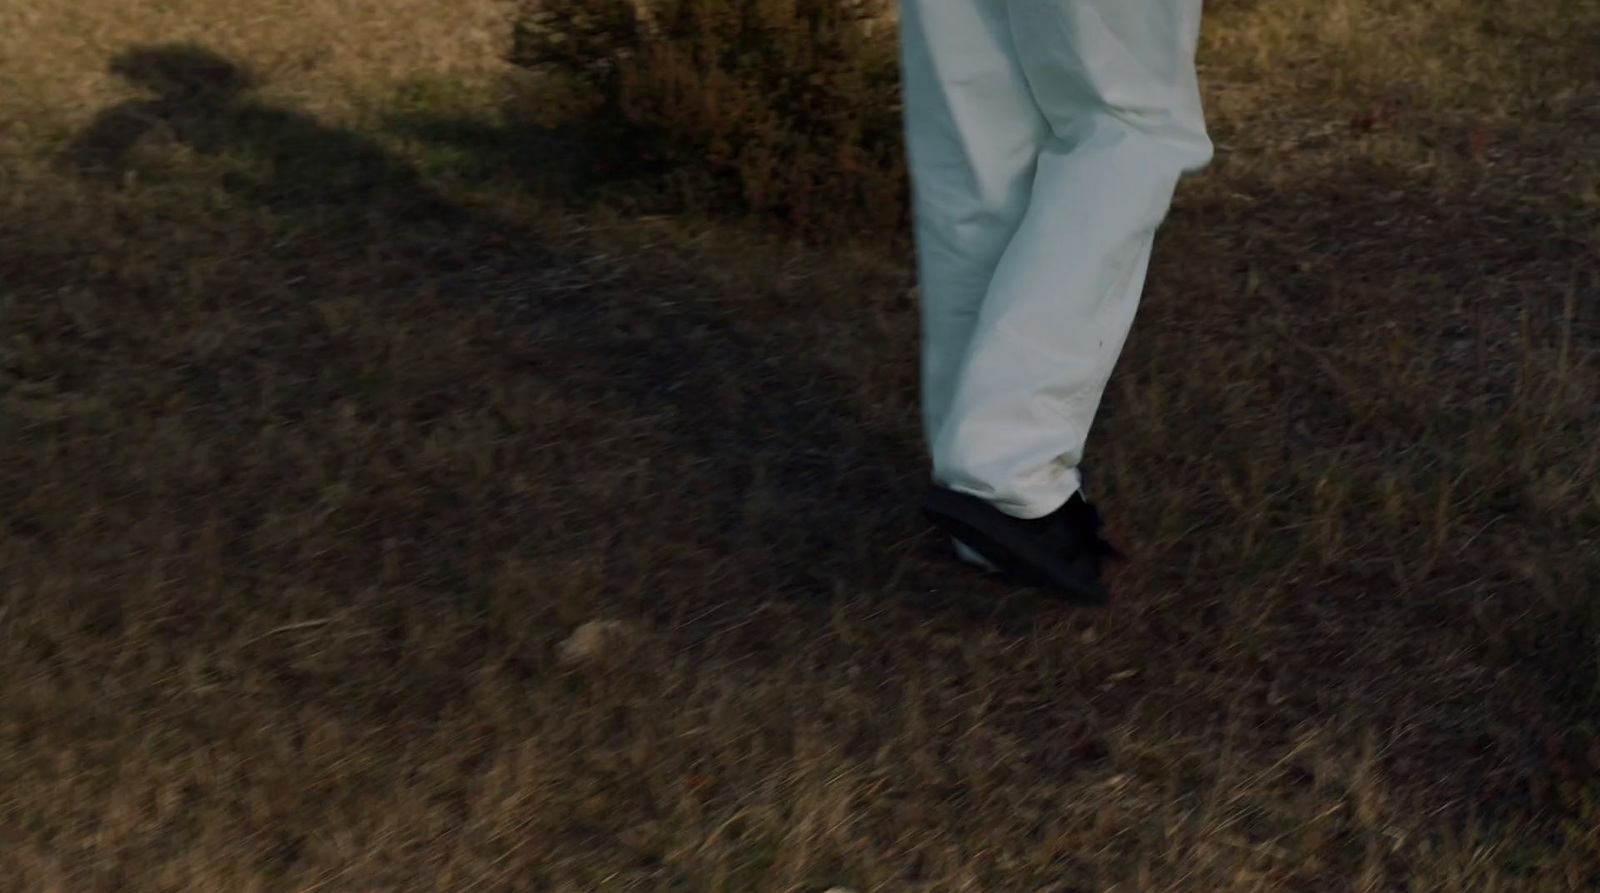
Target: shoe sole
993,534
970,556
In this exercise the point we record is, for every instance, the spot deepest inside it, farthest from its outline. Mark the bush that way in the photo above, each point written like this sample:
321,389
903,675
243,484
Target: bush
785,109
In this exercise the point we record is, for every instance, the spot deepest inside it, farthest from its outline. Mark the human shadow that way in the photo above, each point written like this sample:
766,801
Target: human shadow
741,407
285,160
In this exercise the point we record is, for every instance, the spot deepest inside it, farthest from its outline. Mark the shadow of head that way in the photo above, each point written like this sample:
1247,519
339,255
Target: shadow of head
182,71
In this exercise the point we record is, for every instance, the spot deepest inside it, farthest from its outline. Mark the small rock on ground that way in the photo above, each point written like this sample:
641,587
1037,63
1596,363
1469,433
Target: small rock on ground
592,641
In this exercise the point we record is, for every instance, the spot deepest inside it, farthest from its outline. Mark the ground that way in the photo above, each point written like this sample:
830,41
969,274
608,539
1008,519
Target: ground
321,432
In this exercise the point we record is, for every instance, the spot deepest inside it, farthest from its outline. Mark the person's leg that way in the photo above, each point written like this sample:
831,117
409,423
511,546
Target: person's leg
1115,81
973,134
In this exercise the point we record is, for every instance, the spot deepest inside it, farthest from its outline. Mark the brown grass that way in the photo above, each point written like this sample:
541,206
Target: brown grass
310,461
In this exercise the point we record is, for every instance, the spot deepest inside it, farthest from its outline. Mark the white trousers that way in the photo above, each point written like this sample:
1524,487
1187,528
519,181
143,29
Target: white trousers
1045,139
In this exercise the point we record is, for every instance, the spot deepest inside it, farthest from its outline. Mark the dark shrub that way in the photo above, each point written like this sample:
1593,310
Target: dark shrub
784,109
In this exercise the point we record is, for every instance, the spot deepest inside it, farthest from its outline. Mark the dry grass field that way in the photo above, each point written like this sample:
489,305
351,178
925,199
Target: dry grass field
320,434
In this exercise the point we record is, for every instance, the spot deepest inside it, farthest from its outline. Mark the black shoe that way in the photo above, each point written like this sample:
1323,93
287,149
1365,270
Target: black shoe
1061,552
